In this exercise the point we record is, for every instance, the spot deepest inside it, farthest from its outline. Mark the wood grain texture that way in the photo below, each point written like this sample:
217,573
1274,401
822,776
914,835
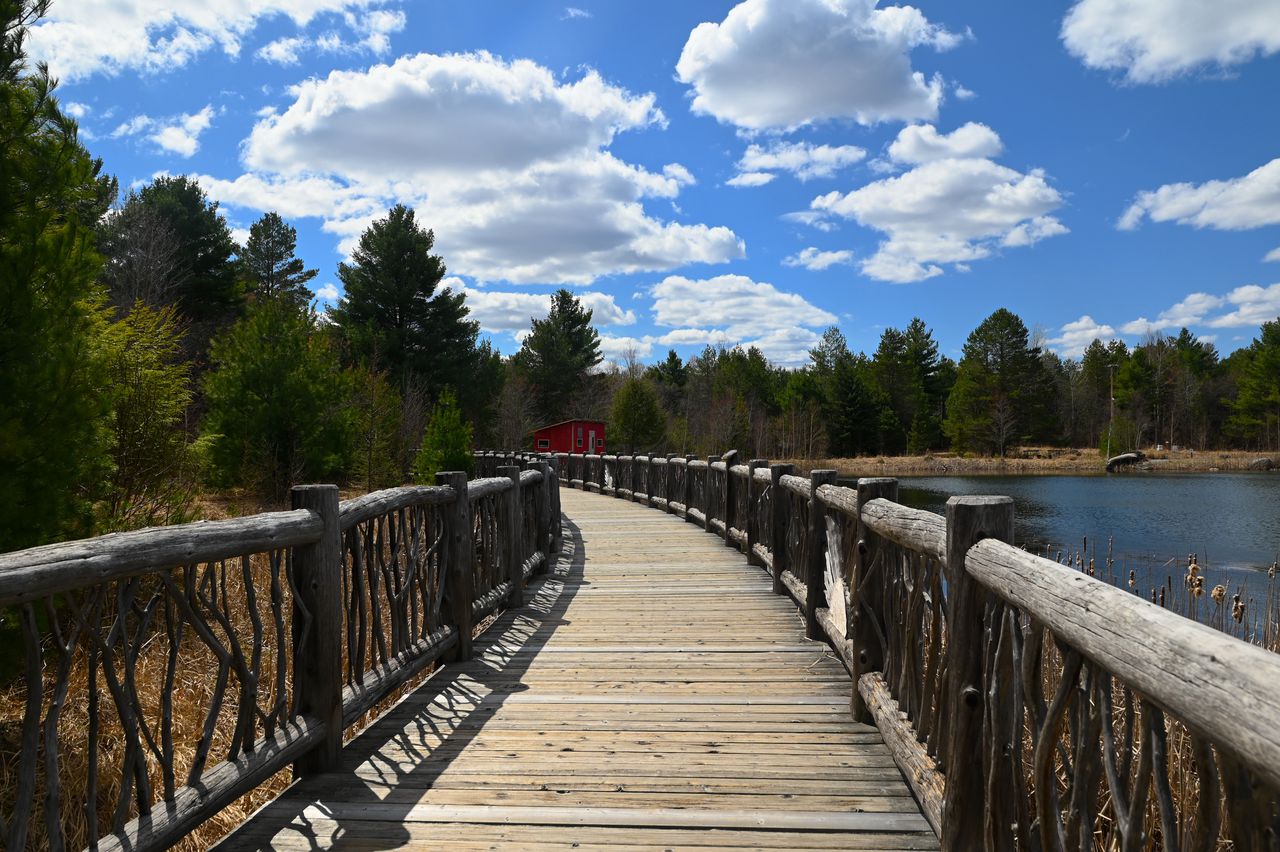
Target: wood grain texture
1198,674
920,770
35,573
653,693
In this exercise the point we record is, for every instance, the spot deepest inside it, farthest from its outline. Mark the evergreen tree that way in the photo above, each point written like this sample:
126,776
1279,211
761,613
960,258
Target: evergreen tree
637,421
558,354
376,412
55,426
446,444
207,293
1001,394
277,402
268,263
670,376
854,413
155,470
1256,411
394,315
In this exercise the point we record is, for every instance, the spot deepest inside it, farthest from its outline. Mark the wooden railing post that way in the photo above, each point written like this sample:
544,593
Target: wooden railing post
513,529
868,656
816,569
781,504
706,494
459,554
317,646
668,483
553,466
964,805
541,513
635,478
687,497
649,490
753,494
730,459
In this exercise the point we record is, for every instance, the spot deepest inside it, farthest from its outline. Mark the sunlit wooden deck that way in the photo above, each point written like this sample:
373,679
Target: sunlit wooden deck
654,693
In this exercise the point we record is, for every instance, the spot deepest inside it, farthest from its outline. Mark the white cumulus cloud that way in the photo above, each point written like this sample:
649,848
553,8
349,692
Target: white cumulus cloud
1234,204
177,134
747,179
816,260
1151,41
801,159
509,164
85,37
781,64
922,143
1074,337
1249,305
952,210
508,311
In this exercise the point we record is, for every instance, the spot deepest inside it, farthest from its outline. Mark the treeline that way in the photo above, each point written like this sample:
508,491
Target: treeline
144,355
1005,391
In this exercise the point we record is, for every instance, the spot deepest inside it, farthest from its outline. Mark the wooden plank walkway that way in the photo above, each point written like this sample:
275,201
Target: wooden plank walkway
654,694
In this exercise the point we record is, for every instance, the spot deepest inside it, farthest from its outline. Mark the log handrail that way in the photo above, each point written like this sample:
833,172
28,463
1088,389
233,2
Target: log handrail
307,620
952,637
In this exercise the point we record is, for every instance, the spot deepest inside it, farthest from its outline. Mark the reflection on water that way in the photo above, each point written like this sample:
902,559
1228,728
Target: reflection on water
1231,521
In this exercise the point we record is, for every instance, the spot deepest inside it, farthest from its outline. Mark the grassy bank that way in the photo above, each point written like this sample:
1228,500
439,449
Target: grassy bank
1030,461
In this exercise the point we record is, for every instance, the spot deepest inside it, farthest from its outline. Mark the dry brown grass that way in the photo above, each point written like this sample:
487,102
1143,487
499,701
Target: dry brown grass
1026,460
194,692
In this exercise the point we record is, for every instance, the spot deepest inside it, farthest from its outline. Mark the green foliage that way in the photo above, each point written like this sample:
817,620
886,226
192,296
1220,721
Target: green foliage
208,294
1002,393
55,422
277,399
446,445
376,420
269,266
637,421
155,470
1256,411
557,356
393,316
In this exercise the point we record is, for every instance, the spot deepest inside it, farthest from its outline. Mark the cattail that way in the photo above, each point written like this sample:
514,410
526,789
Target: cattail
1133,580
1237,609
1162,597
1219,593
1271,572
1153,594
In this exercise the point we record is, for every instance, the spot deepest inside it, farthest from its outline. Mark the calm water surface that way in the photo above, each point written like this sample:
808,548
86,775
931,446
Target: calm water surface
1230,520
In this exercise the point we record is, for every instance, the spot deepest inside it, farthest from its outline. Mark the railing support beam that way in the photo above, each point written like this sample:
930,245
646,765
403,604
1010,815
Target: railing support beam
964,804
862,600
460,582
816,569
317,645
514,523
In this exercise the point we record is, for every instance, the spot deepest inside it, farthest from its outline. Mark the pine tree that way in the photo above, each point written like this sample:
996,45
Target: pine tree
637,421
446,444
55,422
1002,394
268,264
155,469
558,355
394,315
1256,411
277,402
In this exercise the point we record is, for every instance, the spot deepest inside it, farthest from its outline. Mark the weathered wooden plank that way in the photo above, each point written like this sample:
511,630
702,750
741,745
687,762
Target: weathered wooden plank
1193,671
37,572
653,693
366,506
909,754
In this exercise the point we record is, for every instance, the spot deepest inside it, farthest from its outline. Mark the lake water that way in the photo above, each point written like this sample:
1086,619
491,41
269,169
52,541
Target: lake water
1230,520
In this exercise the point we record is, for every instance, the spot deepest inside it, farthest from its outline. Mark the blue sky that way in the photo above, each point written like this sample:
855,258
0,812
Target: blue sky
712,172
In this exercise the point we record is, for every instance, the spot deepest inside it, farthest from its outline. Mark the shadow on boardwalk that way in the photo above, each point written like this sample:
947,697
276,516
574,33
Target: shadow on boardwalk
654,693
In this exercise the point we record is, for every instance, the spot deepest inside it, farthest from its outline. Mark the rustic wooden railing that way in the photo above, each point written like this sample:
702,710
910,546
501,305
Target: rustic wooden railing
212,655
1029,706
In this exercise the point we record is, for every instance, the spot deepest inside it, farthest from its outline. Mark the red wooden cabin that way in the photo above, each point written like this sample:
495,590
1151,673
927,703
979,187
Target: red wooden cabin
570,436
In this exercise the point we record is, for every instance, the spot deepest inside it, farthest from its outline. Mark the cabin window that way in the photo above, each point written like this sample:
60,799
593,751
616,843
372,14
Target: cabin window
544,443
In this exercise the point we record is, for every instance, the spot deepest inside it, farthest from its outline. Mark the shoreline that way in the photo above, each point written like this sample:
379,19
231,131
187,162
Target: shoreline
1034,462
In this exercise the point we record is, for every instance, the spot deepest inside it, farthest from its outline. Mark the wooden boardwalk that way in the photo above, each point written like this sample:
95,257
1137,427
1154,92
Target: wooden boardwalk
653,693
